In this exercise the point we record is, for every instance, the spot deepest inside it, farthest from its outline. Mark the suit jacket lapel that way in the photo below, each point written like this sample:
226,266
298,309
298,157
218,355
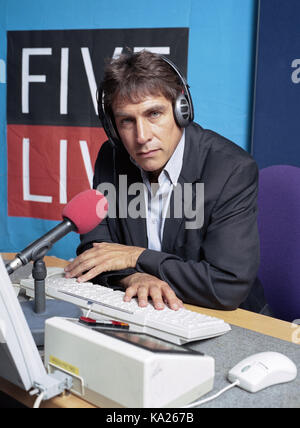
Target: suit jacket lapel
190,173
135,229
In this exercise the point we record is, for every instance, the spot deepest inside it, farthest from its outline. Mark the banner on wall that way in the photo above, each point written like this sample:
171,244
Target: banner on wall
276,126
53,130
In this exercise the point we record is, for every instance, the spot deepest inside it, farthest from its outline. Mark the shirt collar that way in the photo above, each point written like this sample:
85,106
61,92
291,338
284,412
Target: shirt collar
174,165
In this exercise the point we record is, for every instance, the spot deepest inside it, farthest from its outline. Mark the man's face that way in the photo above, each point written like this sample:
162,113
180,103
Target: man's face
148,131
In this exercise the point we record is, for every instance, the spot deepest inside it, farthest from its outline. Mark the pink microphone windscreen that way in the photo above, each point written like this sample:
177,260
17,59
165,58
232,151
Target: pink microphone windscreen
86,210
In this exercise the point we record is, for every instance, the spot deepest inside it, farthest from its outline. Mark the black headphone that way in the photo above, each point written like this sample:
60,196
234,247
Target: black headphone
183,107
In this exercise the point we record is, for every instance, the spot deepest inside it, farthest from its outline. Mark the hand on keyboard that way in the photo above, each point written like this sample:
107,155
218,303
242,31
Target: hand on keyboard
144,285
103,257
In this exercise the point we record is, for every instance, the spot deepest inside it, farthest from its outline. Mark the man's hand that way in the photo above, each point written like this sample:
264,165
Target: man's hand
144,285
103,257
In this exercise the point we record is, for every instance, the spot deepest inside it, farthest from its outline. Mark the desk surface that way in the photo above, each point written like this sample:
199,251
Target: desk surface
239,317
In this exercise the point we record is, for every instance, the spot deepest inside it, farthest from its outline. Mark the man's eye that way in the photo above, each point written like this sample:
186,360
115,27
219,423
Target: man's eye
126,121
155,114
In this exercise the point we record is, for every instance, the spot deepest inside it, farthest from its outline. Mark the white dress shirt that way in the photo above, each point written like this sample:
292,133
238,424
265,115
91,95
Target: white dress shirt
157,196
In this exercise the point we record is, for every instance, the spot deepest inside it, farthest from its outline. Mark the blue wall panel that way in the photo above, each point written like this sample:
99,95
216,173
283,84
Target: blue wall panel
276,120
221,65
219,70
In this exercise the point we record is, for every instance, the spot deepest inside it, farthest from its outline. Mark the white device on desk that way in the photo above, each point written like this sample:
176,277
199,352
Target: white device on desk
120,368
178,327
20,362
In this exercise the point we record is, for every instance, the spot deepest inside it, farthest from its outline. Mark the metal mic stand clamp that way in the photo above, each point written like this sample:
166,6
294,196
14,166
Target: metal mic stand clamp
40,309
39,274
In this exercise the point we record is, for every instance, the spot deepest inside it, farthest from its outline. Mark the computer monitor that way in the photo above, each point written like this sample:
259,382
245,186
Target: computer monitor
20,361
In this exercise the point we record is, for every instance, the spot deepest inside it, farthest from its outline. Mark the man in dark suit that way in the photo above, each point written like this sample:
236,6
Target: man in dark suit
195,239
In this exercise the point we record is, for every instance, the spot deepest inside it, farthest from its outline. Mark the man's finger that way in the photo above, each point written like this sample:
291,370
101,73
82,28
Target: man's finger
130,292
81,267
79,261
171,299
157,298
90,274
142,295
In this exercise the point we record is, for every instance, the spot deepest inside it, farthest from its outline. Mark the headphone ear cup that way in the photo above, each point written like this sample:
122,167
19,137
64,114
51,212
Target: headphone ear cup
182,111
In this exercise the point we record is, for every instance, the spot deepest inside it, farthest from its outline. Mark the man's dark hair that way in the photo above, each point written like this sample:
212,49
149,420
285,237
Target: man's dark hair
133,76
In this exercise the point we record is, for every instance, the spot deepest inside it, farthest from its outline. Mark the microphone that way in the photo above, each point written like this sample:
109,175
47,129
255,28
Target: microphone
82,214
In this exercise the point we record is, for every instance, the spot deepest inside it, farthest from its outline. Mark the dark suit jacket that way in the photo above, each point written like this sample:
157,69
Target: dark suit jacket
214,266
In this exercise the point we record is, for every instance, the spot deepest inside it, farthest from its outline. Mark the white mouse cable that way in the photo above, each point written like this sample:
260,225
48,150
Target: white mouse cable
38,400
213,397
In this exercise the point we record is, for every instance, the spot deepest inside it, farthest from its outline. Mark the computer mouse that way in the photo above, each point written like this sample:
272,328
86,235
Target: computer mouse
262,370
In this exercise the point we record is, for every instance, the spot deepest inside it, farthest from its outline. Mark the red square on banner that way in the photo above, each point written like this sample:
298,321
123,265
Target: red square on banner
47,166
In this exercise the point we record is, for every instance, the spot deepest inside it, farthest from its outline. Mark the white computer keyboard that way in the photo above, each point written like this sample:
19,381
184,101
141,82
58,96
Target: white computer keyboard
178,327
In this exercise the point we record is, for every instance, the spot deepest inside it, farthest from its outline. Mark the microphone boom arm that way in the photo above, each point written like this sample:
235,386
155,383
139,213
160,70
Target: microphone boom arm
39,248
